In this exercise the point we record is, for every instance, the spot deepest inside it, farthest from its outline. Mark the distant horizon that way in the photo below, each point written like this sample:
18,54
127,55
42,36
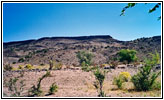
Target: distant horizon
25,21
75,37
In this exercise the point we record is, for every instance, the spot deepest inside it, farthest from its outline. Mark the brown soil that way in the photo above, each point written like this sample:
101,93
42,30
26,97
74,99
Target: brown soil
77,83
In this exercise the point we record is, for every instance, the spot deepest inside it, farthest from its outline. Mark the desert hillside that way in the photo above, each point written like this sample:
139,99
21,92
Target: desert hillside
64,49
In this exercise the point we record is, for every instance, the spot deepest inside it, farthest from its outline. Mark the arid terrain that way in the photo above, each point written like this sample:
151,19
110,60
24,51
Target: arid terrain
77,83
71,80
63,49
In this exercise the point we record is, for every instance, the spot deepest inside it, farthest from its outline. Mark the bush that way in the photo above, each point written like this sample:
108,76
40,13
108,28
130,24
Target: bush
156,85
8,67
20,67
145,78
16,86
123,77
58,66
21,60
14,62
53,89
36,90
14,69
42,64
29,66
84,59
100,77
85,67
127,55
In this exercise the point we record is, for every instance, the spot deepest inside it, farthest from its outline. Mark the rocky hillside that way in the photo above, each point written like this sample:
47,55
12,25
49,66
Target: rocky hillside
63,49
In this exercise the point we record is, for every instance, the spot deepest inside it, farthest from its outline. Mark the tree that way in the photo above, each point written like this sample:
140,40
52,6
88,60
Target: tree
127,55
85,59
145,78
130,5
100,77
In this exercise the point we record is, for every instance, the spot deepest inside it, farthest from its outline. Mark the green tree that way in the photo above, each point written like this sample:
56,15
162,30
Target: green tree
130,5
85,59
100,77
127,55
145,78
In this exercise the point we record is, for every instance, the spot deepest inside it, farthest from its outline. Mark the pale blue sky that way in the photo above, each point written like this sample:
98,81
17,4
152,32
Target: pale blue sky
25,21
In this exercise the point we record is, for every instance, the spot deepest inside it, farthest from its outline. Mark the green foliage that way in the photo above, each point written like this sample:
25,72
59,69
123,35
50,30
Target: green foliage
85,57
118,81
21,60
85,60
36,90
53,88
156,85
127,55
14,62
123,77
100,77
16,86
42,64
54,65
145,78
8,67
130,5
154,8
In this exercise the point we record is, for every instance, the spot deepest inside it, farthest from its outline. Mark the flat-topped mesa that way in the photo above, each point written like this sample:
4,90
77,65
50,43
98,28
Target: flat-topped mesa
74,38
80,37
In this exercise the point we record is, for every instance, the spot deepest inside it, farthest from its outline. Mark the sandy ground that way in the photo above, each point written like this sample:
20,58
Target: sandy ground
77,83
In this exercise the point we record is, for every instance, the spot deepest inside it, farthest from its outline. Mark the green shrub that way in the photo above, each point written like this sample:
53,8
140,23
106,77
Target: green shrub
21,60
14,62
123,77
53,88
42,64
54,65
85,59
118,81
127,55
156,85
145,78
100,77
16,86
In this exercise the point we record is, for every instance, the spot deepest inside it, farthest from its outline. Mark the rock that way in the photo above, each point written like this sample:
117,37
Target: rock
122,66
130,65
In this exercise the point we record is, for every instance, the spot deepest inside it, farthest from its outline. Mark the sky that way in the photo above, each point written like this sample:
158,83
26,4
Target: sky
23,21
